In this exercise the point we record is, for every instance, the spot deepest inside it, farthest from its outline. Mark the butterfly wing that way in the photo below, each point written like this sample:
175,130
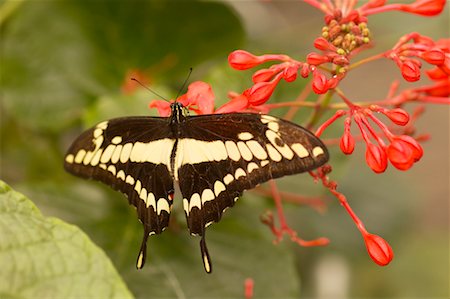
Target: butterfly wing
220,156
131,155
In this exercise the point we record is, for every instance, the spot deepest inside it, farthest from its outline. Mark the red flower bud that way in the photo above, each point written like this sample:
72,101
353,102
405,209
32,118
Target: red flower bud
398,116
264,75
434,56
347,143
379,249
290,73
376,158
341,60
319,83
324,45
425,7
243,60
261,91
410,71
304,72
316,59
404,151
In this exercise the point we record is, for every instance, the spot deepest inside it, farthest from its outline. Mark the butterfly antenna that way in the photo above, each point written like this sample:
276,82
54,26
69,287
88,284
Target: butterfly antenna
184,84
148,88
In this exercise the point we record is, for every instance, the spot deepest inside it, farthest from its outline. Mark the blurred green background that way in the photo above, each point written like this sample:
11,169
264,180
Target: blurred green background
62,67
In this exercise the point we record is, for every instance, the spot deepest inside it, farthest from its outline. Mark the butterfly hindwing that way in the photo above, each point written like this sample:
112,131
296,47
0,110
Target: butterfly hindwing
223,155
131,155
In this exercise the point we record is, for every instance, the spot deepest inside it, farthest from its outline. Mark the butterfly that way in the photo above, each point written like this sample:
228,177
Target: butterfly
213,158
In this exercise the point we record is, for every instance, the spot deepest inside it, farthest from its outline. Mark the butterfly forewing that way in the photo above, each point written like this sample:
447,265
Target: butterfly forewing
220,156
131,155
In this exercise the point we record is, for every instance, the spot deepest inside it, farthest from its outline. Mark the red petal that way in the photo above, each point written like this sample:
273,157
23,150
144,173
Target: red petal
163,107
398,116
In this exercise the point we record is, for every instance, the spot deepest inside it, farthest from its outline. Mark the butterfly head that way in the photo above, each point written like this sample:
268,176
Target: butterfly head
178,112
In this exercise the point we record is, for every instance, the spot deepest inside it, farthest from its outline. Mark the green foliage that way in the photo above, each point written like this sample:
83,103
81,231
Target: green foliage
48,258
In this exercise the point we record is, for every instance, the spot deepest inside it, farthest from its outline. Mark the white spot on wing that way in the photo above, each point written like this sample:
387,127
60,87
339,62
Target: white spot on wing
257,150
233,151
97,133
252,166
245,151
80,155
300,150
239,173
116,155
112,169
151,201
126,152
163,205
156,152
107,153
267,118
121,175
186,206
129,179
218,188
195,202
96,159
245,136
228,179
283,149
273,153
207,195
317,151
274,126
103,125
116,140
70,158
143,195
264,163
138,186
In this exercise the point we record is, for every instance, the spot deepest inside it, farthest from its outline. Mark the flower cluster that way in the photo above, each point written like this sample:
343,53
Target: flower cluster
384,125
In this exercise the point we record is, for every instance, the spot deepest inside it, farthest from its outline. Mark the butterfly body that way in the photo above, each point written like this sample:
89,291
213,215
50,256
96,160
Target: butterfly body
213,158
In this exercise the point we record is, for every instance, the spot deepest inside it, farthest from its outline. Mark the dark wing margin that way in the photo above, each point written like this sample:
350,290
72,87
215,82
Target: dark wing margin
131,155
220,156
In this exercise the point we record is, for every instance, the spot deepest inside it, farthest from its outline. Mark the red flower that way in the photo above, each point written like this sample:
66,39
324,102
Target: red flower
319,83
259,93
376,158
199,98
424,7
347,143
379,250
398,116
403,152
243,60
410,70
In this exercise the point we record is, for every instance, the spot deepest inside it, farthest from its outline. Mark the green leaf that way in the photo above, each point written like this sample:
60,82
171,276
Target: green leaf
48,258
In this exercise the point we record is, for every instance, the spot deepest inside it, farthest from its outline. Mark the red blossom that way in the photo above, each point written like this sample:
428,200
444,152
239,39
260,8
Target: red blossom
319,83
261,91
424,7
379,250
376,158
130,86
199,98
398,116
243,60
347,142
433,56
404,151
410,71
